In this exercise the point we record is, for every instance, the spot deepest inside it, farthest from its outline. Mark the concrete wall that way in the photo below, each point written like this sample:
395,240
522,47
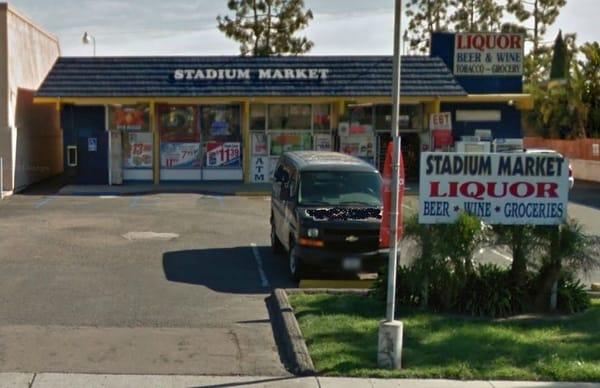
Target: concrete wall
30,139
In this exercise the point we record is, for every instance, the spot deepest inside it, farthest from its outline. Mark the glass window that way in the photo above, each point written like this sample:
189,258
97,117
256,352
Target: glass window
178,123
340,188
361,115
322,117
289,116
411,117
220,123
129,117
383,117
258,117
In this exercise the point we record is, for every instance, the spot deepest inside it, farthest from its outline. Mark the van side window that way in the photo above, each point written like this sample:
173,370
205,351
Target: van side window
281,175
293,182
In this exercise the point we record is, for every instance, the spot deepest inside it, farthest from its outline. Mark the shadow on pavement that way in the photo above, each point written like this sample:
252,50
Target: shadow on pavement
586,193
250,382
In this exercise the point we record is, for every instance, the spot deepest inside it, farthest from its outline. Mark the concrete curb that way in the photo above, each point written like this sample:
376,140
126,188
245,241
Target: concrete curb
292,342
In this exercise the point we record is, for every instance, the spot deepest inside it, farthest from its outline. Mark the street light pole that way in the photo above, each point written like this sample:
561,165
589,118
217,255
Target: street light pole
389,353
87,38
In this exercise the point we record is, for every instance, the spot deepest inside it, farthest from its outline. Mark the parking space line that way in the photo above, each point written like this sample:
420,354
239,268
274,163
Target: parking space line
43,202
259,264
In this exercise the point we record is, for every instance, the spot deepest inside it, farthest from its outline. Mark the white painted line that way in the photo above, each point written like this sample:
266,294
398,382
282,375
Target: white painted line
108,196
259,264
502,255
43,202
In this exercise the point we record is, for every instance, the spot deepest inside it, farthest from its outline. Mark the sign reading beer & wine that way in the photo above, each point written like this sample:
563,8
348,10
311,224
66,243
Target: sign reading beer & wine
506,189
489,54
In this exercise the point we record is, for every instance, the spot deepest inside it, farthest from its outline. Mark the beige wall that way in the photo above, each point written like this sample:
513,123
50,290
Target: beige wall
31,139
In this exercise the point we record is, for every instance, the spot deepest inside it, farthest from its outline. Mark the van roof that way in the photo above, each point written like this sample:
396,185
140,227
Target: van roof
324,160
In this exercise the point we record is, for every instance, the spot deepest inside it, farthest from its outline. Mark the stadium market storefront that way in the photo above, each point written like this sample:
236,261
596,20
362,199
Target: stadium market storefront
162,119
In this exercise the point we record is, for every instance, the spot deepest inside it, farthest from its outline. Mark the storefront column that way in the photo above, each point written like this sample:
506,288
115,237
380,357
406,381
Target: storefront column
246,139
156,142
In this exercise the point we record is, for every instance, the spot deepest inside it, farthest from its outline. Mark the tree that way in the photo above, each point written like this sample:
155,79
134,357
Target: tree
425,17
267,27
477,15
540,13
590,73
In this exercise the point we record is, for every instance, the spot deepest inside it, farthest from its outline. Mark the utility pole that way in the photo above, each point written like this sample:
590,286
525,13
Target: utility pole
389,350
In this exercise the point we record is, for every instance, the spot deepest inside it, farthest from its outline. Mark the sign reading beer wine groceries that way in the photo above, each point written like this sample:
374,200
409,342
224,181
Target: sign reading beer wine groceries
489,54
506,189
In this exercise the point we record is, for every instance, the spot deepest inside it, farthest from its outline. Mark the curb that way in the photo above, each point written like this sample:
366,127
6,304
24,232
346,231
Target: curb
292,342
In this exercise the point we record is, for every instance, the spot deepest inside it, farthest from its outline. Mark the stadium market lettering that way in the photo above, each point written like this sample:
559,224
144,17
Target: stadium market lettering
247,74
481,165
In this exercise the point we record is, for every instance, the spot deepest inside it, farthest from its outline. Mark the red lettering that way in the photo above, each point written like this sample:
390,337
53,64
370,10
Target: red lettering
491,189
547,188
476,193
503,42
460,42
478,42
516,42
435,190
529,189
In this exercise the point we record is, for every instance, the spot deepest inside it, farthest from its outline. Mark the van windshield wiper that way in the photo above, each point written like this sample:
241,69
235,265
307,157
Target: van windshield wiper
358,203
316,203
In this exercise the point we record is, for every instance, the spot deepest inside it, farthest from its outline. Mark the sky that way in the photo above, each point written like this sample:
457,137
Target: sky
188,27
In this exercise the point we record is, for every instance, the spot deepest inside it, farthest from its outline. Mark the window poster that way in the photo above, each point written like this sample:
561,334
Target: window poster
322,142
137,150
180,155
281,143
260,146
135,118
223,154
178,124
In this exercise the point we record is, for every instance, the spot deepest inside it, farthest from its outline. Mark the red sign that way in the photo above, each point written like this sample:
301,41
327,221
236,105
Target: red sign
442,138
384,231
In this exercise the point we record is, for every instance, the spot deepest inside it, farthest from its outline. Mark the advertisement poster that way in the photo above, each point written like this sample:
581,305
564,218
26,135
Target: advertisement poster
137,150
322,142
129,117
281,143
489,54
260,144
178,124
504,189
180,155
223,155
360,146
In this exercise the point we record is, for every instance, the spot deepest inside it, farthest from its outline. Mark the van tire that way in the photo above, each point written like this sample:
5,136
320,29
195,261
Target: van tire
276,246
294,263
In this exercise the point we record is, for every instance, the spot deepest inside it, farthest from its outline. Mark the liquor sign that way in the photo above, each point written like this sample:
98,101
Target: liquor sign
489,54
180,155
137,150
505,189
223,154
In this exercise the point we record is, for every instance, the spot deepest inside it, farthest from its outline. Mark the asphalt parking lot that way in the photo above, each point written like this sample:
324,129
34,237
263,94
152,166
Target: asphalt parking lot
165,283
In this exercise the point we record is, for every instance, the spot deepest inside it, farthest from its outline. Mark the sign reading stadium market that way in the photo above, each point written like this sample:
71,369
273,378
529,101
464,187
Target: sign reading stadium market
489,54
506,189
247,74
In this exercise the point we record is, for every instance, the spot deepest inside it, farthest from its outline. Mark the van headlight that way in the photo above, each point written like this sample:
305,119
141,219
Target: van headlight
312,232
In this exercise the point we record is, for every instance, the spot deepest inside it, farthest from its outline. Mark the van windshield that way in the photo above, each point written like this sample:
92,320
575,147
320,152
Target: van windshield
340,188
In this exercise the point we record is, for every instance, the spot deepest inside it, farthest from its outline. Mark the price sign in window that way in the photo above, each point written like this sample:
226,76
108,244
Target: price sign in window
223,155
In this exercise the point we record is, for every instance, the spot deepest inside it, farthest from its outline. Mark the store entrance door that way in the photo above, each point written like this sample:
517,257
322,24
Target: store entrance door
86,144
411,148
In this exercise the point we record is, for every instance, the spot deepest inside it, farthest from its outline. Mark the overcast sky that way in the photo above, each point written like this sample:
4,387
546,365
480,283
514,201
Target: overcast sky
188,27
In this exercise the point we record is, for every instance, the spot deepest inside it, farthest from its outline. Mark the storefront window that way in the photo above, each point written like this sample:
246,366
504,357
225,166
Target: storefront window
321,117
221,136
359,115
258,117
133,121
180,146
282,117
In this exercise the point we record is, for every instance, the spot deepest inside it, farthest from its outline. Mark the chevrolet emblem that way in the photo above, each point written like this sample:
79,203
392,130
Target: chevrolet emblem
351,239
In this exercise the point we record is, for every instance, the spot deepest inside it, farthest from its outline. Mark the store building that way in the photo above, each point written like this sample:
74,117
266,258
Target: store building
30,137
163,119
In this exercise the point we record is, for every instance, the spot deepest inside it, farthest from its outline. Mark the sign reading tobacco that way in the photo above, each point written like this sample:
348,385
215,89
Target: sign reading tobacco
489,54
507,189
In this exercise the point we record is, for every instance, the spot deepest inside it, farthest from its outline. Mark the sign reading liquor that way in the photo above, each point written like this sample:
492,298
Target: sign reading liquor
507,189
490,54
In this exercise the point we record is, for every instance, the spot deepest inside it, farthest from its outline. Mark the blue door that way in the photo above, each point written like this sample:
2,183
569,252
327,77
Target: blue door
86,144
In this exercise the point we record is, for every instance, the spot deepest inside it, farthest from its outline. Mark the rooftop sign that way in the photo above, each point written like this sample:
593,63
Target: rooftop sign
489,54
248,74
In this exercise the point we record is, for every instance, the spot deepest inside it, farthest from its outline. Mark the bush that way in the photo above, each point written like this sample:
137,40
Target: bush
487,292
572,296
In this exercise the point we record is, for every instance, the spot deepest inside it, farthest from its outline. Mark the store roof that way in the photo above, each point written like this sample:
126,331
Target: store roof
282,76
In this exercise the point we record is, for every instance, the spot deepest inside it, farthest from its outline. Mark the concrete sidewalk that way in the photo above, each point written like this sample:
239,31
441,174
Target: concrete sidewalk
55,380
215,188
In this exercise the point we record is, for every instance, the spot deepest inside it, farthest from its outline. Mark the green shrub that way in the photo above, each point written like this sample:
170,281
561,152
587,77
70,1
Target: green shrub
572,296
487,292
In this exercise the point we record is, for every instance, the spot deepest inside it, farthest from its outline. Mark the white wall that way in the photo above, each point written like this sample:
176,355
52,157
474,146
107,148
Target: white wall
31,141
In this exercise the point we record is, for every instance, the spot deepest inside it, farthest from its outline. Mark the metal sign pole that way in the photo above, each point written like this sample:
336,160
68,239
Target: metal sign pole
390,331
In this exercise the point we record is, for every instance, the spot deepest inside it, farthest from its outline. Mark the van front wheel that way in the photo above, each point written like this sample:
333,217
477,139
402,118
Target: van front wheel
294,263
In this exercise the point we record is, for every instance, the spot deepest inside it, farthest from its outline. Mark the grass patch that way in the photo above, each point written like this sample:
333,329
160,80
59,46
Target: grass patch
341,334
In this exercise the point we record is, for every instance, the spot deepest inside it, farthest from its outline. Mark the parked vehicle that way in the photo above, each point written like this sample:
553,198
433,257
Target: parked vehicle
326,213
552,152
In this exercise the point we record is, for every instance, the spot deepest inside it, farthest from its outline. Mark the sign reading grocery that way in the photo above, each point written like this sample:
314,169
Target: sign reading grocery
491,54
506,189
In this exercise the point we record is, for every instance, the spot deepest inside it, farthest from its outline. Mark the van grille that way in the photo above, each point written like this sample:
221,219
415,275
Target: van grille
351,240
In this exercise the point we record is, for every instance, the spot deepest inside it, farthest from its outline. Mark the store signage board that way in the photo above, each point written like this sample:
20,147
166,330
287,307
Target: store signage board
489,54
137,151
260,169
223,154
441,121
505,189
180,155
210,74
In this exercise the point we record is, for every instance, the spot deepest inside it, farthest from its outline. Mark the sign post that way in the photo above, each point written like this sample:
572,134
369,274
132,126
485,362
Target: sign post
389,349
